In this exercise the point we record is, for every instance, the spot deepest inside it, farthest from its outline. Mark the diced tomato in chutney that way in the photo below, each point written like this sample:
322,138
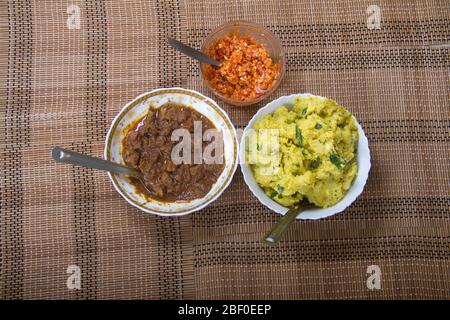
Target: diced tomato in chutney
246,72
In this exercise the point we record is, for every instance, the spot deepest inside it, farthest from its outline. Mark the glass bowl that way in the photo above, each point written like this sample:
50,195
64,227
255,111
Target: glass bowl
263,36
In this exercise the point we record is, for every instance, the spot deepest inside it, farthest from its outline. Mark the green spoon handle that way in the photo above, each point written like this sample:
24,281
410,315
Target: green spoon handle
281,226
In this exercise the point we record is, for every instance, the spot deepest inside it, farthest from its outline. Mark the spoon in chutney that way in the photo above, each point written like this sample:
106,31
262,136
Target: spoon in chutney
191,52
277,231
79,159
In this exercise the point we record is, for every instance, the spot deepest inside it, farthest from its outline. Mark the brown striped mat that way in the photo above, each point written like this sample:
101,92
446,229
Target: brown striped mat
67,68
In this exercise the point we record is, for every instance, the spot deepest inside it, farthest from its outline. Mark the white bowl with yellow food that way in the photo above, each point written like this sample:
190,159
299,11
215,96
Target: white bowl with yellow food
303,147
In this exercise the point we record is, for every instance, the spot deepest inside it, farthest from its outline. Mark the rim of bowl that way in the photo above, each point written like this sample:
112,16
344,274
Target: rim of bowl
244,103
217,195
364,165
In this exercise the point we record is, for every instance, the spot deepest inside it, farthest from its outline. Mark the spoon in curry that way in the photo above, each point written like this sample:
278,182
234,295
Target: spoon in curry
285,221
78,159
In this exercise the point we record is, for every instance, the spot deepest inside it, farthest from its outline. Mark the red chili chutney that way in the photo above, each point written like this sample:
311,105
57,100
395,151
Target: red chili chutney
246,71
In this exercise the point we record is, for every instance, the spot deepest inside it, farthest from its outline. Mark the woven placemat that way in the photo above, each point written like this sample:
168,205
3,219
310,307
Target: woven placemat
67,68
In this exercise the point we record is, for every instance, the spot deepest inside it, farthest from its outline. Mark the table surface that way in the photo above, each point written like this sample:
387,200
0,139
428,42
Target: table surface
66,72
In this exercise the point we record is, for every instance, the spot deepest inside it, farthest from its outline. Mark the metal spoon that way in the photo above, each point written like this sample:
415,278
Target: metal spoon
285,221
78,159
191,52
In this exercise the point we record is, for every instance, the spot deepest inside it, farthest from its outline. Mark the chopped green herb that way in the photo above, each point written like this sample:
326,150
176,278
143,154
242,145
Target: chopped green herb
280,189
258,147
318,126
304,110
337,161
273,194
315,164
298,136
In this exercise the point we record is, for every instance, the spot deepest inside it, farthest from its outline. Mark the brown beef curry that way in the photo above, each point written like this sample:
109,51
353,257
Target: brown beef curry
148,147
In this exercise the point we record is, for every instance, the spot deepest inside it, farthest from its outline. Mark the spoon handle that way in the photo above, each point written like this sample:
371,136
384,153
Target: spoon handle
352,161
78,159
281,226
191,52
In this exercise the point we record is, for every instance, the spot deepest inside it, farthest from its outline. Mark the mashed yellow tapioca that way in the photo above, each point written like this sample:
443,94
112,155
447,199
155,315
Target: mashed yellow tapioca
302,152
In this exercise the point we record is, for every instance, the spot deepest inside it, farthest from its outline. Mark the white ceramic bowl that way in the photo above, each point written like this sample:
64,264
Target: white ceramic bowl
354,191
138,108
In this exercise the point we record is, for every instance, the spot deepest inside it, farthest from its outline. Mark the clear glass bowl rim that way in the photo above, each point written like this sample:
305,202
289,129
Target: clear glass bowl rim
272,38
